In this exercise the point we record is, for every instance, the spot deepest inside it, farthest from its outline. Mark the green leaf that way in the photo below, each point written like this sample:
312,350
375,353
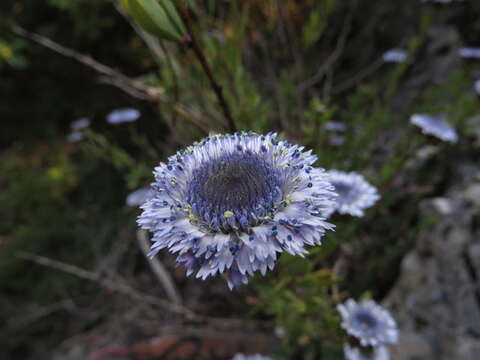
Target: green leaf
153,18
298,266
125,5
313,29
172,14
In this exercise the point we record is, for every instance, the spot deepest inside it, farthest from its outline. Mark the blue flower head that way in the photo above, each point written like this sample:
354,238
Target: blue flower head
354,193
436,126
368,322
377,353
230,203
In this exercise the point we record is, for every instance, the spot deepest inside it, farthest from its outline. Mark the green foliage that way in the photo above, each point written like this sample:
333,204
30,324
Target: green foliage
39,214
134,172
159,18
11,53
86,18
301,306
317,22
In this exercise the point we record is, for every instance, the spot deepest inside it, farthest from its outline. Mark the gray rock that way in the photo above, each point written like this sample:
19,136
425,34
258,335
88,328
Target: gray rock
436,299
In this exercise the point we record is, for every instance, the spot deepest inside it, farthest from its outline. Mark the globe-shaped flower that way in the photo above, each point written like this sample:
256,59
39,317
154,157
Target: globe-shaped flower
377,353
230,203
250,357
436,126
354,193
368,322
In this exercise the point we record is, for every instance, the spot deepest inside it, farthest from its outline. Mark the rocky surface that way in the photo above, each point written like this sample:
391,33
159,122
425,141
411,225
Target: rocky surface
436,300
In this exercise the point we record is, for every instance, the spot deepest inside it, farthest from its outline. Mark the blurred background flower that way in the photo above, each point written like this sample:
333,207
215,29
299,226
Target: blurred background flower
436,126
123,116
354,193
368,322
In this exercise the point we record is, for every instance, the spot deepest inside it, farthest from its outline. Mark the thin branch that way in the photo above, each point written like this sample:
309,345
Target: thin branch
187,114
16,323
137,87
158,269
134,294
111,76
120,84
159,51
116,285
354,80
335,55
339,268
176,86
191,42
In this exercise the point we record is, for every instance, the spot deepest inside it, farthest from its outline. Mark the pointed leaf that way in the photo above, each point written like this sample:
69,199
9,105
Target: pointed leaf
153,18
173,15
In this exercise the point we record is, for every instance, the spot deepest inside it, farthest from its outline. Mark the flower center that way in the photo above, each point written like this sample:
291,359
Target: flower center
365,320
346,193
234,189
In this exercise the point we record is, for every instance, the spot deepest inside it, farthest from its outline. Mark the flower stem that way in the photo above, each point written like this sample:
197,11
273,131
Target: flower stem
191,42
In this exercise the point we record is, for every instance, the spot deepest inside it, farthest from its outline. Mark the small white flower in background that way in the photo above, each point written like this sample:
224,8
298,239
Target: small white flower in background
80,124
279,332
336,140
139,197
335,126
123,115
437,126
395,56
250,357
469,52
354,193
477,87
378,353
74,137
368,322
